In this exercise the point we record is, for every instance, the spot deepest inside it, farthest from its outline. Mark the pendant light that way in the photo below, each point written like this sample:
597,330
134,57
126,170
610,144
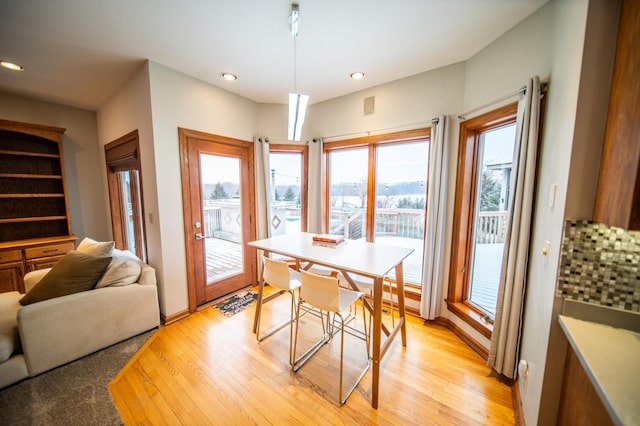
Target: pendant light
297,101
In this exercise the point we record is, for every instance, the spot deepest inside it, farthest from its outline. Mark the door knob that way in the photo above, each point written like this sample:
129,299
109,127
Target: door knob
199,236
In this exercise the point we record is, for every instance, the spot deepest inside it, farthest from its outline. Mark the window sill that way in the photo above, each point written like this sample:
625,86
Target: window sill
471,317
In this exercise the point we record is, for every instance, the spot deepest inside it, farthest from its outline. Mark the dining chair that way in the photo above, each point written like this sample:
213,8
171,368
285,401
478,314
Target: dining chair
277,274
324,293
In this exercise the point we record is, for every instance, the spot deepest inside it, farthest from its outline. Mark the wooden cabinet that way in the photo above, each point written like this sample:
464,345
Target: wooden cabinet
580,403
19,257
35,226
618,196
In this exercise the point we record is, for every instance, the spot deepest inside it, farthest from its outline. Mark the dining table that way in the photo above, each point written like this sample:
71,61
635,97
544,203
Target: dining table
354,259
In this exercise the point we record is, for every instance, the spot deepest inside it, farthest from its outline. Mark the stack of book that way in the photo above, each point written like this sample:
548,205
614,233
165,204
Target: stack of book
326,240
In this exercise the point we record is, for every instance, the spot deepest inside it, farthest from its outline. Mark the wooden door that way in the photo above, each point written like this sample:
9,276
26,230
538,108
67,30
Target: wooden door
218,201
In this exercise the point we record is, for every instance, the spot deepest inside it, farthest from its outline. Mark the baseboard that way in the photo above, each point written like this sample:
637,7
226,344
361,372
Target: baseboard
517,403
166,320
470,341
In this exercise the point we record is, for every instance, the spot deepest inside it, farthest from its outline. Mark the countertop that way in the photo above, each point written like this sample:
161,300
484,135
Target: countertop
611,358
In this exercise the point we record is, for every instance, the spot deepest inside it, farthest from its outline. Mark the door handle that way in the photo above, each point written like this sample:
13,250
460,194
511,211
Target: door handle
199,236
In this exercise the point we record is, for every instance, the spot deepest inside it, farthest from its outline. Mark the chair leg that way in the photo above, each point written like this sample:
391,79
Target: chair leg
302,359
344,397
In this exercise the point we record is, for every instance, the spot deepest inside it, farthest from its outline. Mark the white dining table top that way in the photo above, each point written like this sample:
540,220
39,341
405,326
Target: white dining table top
369,259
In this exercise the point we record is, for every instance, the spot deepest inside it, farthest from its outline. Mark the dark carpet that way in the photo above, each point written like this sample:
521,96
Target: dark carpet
73,394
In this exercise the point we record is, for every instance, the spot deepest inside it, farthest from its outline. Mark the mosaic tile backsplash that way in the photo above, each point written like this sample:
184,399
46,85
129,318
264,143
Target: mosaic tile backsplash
600,264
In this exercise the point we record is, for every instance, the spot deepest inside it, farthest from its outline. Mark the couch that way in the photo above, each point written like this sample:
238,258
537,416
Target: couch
45,334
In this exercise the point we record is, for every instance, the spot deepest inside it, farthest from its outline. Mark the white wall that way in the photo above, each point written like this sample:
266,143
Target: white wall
181,101
89,217
398,104
128,110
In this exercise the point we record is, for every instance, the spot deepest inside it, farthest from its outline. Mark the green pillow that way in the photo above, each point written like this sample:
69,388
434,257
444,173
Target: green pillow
74,273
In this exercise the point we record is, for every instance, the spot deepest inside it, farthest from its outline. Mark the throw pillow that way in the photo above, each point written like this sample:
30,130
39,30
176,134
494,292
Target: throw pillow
96,248
123,270
74,273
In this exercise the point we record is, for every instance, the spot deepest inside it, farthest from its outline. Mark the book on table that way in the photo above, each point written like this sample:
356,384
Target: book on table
328,238
328,244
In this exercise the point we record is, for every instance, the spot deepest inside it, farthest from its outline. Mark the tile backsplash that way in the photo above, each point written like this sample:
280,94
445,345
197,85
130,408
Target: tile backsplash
600,264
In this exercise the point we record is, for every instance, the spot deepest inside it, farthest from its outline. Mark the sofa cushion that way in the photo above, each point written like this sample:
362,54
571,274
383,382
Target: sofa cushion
96,248
74,273
124,269
9,337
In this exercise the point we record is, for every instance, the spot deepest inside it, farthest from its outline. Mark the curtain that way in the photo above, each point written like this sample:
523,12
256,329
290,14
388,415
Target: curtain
263,188
505,339
314,219
434,237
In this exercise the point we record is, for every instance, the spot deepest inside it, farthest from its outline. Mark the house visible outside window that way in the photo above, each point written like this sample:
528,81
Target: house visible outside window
376,190
288,174
485,156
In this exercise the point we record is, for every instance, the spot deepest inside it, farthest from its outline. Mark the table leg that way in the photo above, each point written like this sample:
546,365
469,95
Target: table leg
400,290
377,339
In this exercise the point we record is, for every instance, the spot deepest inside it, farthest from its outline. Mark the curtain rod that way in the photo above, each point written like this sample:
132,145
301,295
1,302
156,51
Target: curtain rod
521,90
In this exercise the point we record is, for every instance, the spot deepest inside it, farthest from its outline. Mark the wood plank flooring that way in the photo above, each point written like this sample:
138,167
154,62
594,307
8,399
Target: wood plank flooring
208,369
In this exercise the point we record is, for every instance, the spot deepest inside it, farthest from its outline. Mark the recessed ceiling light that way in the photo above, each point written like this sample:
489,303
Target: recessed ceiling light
358,75
228,76
11,66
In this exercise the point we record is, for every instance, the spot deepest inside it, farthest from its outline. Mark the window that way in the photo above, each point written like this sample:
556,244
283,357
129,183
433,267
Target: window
288,175
485,156
125,194
376,190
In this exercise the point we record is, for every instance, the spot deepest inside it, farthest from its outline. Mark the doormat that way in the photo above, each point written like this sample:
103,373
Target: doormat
236,303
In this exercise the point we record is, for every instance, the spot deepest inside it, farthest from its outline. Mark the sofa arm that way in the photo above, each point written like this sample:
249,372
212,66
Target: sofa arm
32,278
56,331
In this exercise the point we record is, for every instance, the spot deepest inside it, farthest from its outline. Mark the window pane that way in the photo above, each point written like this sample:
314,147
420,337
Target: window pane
286,190
492,210
401,177
348,192
221,199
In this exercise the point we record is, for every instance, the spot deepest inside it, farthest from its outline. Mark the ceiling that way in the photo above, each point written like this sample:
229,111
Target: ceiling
80,52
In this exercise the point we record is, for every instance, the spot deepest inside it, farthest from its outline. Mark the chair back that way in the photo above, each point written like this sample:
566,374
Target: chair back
276,273
320,291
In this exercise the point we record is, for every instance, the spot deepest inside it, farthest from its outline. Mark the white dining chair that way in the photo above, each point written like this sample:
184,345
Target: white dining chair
277,274
324,293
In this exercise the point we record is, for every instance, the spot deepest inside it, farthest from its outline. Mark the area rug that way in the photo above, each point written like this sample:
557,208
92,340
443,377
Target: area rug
236,303
73,394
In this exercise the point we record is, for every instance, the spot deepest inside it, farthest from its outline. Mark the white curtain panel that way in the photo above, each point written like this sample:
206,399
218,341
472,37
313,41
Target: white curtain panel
505,339
433,271
314,218
263,188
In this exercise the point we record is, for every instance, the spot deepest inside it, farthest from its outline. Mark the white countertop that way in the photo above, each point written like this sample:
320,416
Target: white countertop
611,358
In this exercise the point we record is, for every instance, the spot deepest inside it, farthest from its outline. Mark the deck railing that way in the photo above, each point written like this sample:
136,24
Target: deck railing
406,223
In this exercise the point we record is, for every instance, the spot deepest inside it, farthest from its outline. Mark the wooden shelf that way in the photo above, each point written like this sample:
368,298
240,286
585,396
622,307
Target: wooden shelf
32,219
51,195
28,176
33,194
29,154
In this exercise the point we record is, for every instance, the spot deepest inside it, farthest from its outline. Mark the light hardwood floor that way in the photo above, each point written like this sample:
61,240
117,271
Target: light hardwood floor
209,369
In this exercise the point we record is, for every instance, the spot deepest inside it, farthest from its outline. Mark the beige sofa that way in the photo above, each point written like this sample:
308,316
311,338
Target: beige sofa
49,333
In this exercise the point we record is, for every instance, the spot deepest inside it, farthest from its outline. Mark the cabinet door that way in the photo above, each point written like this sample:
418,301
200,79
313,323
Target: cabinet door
42,263
11,277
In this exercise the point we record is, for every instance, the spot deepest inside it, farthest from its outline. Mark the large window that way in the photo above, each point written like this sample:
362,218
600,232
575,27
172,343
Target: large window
485,156
288,174
376,190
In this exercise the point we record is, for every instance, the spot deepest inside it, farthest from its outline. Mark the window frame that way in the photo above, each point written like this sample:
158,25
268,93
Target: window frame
304,184
123,154
464,207
370,142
